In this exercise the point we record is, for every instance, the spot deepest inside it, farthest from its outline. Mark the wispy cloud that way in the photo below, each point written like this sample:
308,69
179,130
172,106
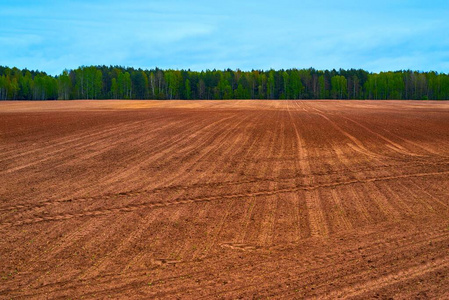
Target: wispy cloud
53,35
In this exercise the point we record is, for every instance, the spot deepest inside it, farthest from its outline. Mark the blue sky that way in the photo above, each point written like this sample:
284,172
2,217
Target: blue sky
374,35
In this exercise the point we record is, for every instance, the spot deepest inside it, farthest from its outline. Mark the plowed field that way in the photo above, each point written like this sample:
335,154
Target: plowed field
224,199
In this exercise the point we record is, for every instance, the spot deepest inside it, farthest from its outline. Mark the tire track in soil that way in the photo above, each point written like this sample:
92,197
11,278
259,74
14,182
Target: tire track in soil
189,232
67,238
247,236
392,145
167,144
252,151
110,145
238,242
136,139
389,210
230,223
84,231
413,195
334,212
421,146
340,210
93,183
216,234
326,224
380,201
210,152
357,144
217,138
90,237
166,254
281,222
246,220
342,216
307,189
183,251
257,180
101,239
303,216
158,252
429,195
291,212
131,193
131,171
356,166
300,207
391,194
362,210
127,242
317,223
410,242
33,264
374,208
268,220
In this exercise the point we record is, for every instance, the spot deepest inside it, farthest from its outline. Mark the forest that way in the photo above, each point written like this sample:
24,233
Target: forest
115,82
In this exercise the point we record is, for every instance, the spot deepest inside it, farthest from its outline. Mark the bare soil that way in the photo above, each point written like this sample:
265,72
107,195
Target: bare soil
224,199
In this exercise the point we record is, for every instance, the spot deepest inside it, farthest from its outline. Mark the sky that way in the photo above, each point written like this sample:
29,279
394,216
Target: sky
377,35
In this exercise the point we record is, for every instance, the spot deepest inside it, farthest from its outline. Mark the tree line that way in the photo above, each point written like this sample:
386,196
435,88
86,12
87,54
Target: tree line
115,82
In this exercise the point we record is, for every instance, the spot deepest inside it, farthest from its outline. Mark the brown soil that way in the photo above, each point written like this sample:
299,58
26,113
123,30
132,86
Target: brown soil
224,199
